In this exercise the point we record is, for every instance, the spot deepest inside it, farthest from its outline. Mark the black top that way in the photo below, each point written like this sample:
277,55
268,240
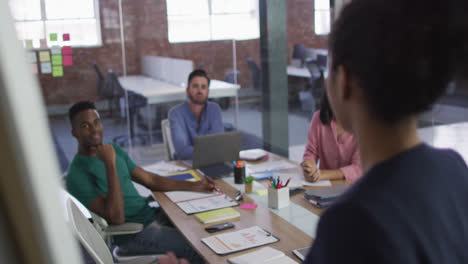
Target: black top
412,208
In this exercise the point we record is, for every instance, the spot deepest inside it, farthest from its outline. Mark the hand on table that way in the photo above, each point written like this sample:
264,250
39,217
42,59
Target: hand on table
310,170
206,184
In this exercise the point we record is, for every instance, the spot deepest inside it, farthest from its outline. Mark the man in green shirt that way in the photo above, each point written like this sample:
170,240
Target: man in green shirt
100,176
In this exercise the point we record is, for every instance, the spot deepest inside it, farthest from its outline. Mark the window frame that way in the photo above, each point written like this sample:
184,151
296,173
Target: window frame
210,19
43,19
320,10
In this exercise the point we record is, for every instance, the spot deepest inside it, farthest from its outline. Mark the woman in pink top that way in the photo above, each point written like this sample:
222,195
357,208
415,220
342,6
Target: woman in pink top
335,149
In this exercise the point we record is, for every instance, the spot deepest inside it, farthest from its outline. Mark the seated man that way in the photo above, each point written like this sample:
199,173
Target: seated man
195,117
100,176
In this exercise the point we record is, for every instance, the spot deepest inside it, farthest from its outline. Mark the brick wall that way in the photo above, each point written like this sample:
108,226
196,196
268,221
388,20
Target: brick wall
145,27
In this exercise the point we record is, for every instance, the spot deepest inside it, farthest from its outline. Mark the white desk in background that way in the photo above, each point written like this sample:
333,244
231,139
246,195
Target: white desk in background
157,92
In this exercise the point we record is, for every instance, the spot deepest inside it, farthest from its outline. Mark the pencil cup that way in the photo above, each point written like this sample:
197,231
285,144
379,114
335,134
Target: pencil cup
278,198
239,175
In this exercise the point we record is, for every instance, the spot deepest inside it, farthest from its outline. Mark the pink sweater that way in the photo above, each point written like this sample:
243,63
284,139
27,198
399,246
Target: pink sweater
340,154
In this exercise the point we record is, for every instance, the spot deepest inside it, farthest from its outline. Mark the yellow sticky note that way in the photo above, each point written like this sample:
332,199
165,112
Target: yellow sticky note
28,43
57,71
44,56
262,192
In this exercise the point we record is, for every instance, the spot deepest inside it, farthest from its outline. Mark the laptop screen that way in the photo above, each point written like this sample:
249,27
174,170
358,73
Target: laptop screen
216,149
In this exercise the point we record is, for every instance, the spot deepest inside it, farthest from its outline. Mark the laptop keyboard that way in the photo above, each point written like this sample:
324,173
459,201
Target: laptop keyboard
217,171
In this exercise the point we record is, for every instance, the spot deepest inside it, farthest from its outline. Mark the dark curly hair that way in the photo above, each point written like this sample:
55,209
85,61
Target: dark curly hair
398,51
79,107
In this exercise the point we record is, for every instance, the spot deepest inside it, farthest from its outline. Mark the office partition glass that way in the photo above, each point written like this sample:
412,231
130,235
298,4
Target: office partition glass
76,58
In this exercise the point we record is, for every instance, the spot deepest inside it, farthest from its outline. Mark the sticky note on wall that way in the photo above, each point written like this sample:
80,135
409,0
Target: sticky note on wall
28,43
66,37
46,67
57,71
53,36
44,56
66,50
56,50
56,59
67,60
32,58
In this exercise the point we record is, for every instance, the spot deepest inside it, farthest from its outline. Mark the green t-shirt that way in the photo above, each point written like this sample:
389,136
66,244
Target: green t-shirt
86,180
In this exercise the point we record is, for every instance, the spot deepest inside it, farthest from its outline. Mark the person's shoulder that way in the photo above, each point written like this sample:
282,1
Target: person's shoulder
213,106
316,117
176,109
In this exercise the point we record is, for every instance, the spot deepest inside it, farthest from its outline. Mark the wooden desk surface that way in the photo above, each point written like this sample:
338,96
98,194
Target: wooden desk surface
290,237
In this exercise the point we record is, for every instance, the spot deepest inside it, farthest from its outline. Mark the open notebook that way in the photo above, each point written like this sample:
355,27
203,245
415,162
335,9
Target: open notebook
265,255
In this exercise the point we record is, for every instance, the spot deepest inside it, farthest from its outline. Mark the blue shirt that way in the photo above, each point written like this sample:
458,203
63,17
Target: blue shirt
184,126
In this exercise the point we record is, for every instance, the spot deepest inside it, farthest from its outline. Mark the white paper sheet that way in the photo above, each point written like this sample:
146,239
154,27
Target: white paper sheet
270,165
239,240
181,196
163,168
206,204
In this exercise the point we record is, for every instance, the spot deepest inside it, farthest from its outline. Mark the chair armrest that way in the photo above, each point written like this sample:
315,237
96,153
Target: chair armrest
123,229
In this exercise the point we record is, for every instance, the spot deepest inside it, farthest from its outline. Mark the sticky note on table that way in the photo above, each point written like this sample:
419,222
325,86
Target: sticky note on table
66,50
32,58
44,56
57,71
262,192
66,37
56,59
28,43
67,60
248,206
53,36
55,50
46,67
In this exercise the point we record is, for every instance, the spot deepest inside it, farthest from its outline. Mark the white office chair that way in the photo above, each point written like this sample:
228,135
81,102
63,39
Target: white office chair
167,138
92,240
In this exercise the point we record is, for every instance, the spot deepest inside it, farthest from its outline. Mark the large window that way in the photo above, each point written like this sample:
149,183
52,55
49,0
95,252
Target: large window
202,20
36,19
322,17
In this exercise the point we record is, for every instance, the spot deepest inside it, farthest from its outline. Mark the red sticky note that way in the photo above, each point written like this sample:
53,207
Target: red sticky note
67,60
66,50
66,37
248,206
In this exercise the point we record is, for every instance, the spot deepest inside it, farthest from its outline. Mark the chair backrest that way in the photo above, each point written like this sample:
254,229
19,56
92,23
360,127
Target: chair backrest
256,73
103,87
232,77
299,52
167,138
88,236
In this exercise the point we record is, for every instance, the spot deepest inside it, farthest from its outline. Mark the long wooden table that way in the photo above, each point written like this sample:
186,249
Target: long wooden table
290,237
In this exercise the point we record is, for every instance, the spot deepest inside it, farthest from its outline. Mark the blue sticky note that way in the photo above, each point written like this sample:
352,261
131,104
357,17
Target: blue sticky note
181,177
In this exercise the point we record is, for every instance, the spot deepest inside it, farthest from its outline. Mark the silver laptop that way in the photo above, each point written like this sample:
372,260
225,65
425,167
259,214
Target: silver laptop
213,154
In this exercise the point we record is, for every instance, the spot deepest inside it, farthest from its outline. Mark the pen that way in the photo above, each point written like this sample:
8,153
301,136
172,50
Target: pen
287,182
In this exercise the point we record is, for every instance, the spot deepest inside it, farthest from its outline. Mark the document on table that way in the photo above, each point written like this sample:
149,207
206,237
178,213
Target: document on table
206,204
231,242
270,165
182,196
163,168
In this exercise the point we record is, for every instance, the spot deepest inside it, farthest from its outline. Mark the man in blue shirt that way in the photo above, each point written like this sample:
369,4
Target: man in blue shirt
195,117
